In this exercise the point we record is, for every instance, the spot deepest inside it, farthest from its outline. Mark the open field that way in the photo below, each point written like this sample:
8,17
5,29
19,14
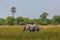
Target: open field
49,32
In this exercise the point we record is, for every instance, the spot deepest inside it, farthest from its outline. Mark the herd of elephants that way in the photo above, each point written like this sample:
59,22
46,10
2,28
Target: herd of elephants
30,27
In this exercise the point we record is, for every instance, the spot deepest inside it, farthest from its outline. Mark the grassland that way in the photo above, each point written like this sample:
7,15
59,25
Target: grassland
49,32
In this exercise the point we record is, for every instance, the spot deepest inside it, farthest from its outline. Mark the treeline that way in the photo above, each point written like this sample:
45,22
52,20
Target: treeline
42,20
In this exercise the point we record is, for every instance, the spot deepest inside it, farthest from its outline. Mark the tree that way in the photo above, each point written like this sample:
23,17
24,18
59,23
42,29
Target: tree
35,21
9,20
56,19
13,10
26,20
44,15
43,19
19,20
31,21
2,21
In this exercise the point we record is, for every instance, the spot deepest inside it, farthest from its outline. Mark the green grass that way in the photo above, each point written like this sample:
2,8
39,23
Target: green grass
15,33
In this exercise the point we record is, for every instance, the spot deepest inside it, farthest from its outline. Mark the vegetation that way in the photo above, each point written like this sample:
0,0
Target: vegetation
42,20
45,33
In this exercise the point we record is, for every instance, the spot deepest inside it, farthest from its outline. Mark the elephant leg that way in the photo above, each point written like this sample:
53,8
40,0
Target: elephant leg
38,29
29,30
32,30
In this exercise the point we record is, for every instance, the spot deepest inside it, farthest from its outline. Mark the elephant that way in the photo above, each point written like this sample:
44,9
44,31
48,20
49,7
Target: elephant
30,27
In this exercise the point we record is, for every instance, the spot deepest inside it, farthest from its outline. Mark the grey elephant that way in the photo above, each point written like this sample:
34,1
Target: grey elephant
30,27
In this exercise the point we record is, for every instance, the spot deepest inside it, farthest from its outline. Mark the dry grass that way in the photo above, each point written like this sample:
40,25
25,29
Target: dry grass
51,32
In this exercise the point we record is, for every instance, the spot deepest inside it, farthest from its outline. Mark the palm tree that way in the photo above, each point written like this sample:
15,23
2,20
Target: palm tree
13,10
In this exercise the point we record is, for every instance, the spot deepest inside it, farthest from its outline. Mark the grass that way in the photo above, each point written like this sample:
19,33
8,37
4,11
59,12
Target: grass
49,32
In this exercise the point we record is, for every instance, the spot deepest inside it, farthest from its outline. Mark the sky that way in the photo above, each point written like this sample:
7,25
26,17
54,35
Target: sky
30,8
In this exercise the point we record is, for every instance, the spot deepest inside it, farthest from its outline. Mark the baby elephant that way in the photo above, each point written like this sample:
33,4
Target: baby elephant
30,27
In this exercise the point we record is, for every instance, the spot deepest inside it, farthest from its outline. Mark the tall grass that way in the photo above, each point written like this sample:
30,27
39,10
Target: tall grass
15,33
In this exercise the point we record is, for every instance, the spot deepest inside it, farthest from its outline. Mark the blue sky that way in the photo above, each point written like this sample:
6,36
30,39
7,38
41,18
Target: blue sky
30,8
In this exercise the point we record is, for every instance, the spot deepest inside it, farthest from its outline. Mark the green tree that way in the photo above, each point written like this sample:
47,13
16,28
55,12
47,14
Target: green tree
56,19
9,20
19,20
2,21
44,15
43,19
31,21
26,20
35,21
13,10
